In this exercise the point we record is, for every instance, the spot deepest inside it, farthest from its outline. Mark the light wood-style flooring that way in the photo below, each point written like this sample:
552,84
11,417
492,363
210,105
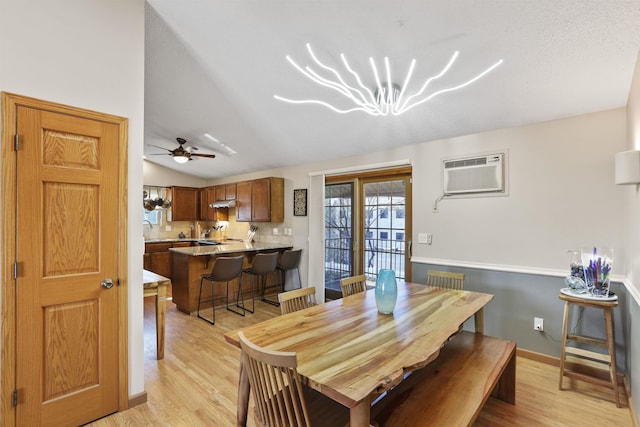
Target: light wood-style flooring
196,383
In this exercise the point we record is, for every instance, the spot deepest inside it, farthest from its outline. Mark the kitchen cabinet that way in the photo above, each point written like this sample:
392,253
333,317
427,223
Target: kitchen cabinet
206,212
211,197
204,204
157,257
260,200
215,214
225,192
220,192
243,201
230,191
185,203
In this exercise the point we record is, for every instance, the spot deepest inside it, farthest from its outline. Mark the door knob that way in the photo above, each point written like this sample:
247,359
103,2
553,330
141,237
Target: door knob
107,283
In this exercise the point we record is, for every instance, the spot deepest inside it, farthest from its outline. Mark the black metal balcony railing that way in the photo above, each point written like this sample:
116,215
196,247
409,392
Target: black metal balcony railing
378,254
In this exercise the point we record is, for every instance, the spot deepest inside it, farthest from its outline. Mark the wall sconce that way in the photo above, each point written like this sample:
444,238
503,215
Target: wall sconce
628,167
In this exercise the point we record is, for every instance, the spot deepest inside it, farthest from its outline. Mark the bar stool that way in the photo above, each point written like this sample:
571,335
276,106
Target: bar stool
582,357
224,269
262,265
289,260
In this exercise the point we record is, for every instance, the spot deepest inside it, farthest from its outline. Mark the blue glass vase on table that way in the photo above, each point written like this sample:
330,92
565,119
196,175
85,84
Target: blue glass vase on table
386,291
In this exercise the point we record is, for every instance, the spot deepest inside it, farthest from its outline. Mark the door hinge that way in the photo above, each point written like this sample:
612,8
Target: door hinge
16,142
15,397
16,270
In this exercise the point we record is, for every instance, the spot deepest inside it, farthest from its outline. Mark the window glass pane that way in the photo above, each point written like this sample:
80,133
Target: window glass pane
384,227
152,216
338,233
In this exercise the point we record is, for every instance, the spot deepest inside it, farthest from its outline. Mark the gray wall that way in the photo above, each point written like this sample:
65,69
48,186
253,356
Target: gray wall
518,298
632,339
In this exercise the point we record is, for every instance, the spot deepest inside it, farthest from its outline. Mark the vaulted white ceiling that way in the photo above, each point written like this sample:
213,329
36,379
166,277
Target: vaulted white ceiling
214,66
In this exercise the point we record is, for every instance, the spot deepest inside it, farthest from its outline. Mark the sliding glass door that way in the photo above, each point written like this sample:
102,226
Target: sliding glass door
367,226
338,235
385,242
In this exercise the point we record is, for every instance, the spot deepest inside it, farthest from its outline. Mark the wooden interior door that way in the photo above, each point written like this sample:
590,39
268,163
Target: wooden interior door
67,228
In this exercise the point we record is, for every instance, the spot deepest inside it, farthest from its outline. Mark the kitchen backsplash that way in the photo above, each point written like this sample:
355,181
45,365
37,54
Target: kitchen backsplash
232,229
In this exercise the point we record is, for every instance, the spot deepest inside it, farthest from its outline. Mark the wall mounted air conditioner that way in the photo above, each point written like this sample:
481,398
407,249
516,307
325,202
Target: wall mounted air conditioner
481,174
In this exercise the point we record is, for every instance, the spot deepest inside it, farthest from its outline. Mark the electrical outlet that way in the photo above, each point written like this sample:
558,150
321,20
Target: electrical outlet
538,324
276,231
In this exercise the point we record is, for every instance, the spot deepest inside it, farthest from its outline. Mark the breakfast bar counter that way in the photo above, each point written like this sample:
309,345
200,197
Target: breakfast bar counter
190,263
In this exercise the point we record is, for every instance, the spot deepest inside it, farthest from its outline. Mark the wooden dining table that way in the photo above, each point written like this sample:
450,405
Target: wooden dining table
349,352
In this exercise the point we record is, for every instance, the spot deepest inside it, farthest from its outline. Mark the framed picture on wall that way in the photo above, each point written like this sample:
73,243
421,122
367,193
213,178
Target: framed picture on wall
300,202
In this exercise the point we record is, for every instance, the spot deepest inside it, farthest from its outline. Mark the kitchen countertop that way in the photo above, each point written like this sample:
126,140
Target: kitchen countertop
228,247
191,239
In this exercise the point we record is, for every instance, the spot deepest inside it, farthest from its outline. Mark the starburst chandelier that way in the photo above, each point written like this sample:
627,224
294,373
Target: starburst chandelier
386,98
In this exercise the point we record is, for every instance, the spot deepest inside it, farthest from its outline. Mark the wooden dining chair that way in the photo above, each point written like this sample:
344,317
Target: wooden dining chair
445,279
297,299
280,398
353,285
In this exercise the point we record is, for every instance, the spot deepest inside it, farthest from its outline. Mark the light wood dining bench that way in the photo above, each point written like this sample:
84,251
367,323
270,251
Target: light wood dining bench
451,390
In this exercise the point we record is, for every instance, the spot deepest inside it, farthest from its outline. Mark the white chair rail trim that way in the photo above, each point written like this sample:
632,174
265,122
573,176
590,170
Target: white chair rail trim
634,291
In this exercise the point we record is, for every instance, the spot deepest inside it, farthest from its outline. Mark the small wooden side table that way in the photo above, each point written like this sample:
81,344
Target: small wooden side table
156,285
578,357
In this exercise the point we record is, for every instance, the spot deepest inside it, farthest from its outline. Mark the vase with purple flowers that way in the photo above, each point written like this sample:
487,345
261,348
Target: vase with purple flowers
597,264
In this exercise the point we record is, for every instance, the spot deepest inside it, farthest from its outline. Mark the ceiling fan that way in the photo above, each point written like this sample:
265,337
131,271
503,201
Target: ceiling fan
182,154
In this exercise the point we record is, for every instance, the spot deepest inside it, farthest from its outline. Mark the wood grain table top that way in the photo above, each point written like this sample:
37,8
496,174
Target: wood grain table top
151,279
348,351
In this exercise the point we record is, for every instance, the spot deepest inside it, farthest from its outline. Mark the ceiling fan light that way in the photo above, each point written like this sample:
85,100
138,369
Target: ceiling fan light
181,159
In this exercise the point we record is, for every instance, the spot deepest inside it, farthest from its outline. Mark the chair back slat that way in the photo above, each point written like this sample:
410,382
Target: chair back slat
275,385
298,299
445,279
353,285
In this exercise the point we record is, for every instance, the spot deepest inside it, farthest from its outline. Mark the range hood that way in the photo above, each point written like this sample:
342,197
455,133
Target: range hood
223,204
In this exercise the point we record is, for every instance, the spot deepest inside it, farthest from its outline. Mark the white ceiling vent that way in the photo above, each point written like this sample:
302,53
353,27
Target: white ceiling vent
481,174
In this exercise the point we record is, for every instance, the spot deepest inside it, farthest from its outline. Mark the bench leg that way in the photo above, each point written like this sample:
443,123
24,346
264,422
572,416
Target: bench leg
505,389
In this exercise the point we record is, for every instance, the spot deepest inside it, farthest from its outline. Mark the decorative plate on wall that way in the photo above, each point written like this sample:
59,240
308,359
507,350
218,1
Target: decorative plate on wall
300,202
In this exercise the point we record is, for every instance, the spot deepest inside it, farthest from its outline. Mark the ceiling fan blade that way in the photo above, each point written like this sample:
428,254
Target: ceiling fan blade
162,148
160,154
210,156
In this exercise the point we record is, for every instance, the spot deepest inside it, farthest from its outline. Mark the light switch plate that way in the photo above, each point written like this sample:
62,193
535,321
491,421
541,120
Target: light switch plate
422,238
